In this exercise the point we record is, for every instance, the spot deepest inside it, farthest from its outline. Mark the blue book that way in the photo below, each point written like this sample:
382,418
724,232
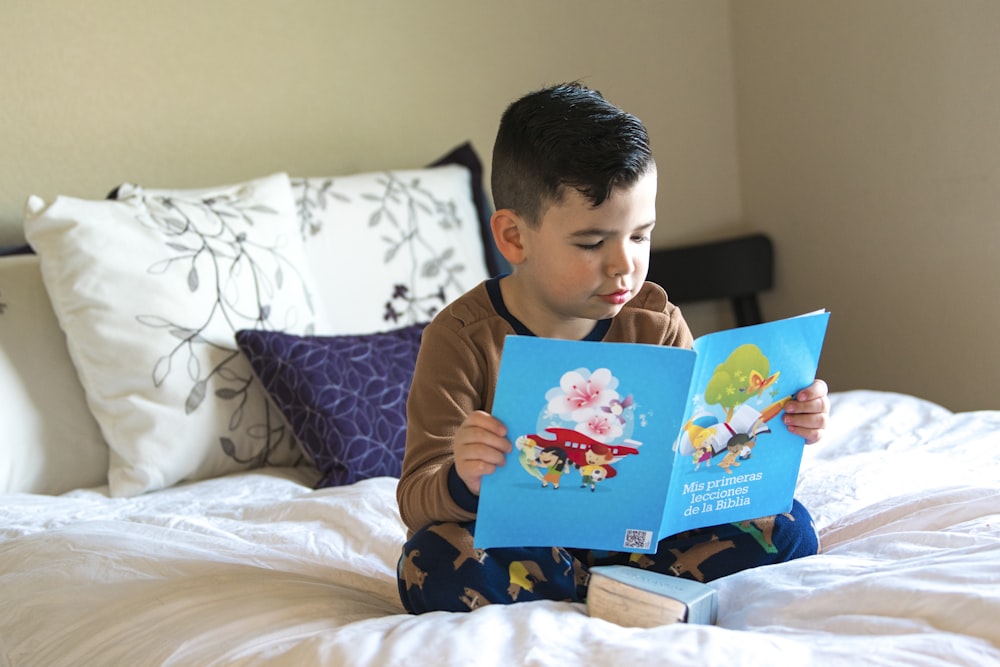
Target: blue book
618,445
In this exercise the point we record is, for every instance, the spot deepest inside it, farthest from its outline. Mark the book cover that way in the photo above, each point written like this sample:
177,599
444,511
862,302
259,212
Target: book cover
617,445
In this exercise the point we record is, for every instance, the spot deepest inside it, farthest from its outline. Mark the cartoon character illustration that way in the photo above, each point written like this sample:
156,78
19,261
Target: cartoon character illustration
597,467
641,560
592,457
617,408
762,530
702,454
744,425
701,437
411,574
524,574
735,447
690,560
473,599
597,475
461,540
527,455
577,445
554,460
560,555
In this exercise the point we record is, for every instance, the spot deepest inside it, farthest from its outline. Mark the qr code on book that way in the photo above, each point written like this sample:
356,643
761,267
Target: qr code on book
638,539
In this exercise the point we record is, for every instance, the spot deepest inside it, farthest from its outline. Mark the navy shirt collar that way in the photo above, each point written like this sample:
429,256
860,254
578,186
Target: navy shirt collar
496,297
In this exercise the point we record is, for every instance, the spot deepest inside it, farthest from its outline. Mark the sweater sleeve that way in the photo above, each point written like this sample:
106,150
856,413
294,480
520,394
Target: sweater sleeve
448,384
677,333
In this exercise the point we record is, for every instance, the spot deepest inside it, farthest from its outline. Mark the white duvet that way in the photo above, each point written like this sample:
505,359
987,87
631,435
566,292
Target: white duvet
259,568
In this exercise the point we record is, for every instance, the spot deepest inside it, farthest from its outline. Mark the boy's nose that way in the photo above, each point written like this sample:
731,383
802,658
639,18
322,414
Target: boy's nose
621,262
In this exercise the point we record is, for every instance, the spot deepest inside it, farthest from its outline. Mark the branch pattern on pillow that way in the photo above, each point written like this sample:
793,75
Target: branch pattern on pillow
344,396
150,288
400,217
207,238
390,248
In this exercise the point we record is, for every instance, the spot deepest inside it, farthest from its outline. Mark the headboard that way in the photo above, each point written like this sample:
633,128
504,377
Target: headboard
737,269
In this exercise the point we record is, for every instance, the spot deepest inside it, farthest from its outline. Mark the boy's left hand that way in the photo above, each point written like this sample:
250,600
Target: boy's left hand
808,413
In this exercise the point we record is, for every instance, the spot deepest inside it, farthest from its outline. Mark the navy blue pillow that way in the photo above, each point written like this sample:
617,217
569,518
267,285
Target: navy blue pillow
343,396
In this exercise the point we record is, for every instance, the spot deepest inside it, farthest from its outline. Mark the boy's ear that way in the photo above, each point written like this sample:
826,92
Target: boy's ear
506,225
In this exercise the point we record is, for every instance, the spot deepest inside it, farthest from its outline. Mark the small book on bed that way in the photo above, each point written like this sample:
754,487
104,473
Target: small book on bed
631,596
617,445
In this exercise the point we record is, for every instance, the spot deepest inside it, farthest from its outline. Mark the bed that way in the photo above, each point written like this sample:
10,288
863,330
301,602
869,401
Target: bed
203,410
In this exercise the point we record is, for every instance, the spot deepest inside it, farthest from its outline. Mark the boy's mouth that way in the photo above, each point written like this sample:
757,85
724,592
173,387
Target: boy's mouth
617,297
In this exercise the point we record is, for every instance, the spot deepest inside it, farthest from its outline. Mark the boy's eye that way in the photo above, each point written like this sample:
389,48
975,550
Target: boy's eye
590,246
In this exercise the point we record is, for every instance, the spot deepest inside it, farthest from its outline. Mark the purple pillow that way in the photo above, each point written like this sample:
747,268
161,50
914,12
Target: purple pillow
343,396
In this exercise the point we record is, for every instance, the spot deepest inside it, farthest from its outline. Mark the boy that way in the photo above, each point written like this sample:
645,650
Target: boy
574,184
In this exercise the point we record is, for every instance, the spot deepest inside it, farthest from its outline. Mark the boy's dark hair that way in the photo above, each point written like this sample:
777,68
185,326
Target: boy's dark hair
565,136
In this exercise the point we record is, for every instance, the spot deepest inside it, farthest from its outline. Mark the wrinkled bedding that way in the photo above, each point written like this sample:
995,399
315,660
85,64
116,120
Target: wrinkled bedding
260,568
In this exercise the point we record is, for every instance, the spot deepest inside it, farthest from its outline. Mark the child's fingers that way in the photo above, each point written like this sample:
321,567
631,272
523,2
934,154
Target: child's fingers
478,452
812,399
810,420
817,390
486,422
474,458
810,426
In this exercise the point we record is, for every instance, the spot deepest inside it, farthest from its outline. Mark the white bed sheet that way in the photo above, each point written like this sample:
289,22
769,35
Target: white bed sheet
258,568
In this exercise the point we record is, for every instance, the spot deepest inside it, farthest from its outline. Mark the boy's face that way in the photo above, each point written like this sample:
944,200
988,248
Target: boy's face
582,264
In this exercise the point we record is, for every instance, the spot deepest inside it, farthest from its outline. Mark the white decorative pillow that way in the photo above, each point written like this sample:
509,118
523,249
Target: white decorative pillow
150,289
51,442
391,248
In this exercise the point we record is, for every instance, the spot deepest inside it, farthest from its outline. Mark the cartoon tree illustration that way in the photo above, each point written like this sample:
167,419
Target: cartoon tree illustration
738,378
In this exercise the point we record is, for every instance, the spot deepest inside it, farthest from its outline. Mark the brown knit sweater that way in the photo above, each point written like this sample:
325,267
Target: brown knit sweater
456,373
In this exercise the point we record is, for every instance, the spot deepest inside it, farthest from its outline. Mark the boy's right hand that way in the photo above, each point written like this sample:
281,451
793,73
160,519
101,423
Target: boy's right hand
480,446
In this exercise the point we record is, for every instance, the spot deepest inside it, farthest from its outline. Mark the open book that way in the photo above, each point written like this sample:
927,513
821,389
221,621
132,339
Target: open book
618,445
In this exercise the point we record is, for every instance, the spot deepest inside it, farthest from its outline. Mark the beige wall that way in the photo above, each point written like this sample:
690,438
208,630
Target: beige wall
860,133
190,93
869,143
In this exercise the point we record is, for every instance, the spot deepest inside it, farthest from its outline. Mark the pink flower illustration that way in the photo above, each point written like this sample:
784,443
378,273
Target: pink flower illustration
581,394
601,426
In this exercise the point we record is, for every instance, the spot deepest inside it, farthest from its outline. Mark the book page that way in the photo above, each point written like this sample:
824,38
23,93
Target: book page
735,459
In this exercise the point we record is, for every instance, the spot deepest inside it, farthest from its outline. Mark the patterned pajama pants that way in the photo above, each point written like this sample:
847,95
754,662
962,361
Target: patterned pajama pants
440,570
